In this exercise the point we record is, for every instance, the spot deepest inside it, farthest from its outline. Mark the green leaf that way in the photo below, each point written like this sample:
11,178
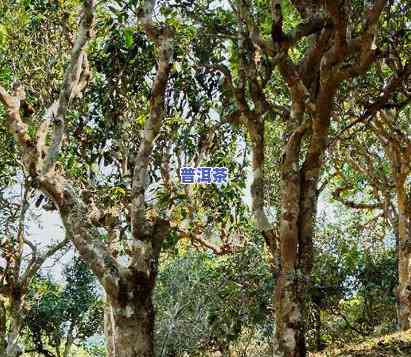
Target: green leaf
128,37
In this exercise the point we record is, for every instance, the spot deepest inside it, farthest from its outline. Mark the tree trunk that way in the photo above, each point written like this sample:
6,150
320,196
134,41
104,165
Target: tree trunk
394,225
404,261
289,339
70,340
292,247
3,329
318,342
132,328
130,311
13,349
295,268
108,328
299,197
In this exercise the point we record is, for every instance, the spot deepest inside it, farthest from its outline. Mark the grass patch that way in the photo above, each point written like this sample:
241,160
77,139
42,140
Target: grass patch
396,344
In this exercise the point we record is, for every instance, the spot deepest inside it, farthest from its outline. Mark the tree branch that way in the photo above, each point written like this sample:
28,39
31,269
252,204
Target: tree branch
73,210
75,80
151,129
357,205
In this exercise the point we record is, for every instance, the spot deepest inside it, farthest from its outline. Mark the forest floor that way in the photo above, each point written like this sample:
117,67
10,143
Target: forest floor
393,345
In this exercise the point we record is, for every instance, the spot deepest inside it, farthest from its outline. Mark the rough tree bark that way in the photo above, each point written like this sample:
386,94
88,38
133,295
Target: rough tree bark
404,257
128,288
129,315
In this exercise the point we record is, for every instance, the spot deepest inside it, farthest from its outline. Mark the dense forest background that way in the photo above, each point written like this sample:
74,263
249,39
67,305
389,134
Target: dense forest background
306,250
